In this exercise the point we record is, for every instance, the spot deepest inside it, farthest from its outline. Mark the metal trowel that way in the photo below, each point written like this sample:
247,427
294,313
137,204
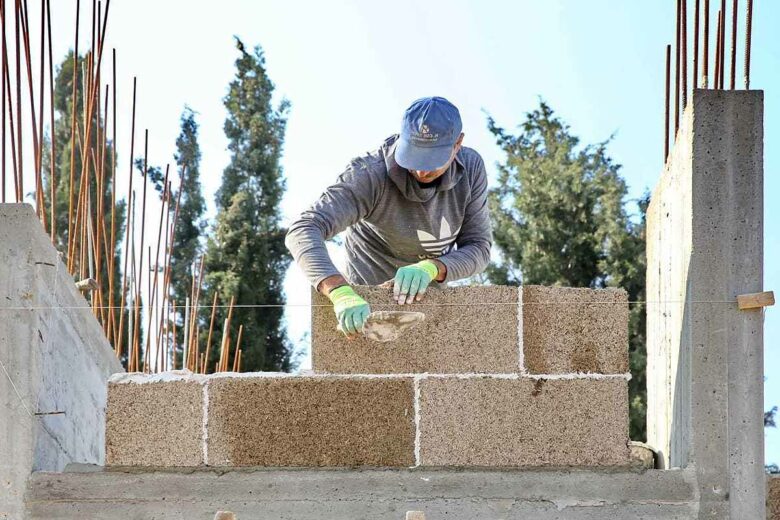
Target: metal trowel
386,326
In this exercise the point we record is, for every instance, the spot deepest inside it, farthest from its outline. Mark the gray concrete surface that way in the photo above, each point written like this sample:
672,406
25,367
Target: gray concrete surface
365,494
55,362
705,357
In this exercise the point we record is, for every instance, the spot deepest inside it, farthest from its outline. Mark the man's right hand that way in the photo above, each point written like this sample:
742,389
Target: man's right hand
351,310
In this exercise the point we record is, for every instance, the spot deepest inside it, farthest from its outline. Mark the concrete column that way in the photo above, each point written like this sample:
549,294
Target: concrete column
705,356
55,362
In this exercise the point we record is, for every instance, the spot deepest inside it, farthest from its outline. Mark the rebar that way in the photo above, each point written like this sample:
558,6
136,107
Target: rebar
677,72
3,178
666,104
153,288
137,330
734,11
112,258
716,79
74,108
127,229
19,160
721,81
706,52
748,37
53,136
684,58
39,154
211,329
695,75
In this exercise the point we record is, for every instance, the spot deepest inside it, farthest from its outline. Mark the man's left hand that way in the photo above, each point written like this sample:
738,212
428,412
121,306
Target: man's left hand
411,281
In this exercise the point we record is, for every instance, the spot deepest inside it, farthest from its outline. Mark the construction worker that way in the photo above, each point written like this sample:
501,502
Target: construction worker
415,211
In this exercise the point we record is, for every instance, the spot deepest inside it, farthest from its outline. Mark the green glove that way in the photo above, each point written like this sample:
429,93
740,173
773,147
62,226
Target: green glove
412,280
351,310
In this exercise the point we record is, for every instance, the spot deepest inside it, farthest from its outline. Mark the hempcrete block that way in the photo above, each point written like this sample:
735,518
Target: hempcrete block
310,421
453,338
773,497
568,330
154,422
494,422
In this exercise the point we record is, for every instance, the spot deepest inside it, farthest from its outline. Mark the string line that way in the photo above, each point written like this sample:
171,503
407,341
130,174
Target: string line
416,304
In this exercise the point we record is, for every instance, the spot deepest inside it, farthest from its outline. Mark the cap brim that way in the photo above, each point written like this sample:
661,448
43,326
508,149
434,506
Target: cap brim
421,158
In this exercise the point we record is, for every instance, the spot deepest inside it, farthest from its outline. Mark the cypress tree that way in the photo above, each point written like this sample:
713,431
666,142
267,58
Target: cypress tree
246,258
190,226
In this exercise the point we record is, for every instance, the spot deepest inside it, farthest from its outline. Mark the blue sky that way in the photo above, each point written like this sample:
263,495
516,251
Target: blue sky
349,68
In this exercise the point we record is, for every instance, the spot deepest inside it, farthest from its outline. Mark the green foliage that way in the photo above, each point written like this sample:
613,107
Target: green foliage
246,257
154,175
559,220
190,226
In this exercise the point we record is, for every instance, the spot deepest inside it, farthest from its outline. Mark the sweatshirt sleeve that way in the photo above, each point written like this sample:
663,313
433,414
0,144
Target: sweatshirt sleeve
352,197
476,237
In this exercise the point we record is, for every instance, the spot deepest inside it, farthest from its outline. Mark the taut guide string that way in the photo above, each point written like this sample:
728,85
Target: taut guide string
417,304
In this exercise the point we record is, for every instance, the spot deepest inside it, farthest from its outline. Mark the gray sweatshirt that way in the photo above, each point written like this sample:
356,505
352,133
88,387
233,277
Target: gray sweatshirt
392,220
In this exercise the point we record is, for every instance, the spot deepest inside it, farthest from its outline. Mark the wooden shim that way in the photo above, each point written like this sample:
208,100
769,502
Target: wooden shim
756,300
225,515
415,515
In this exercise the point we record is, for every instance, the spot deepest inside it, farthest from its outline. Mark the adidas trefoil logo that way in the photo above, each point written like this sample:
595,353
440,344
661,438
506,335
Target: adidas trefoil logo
437,245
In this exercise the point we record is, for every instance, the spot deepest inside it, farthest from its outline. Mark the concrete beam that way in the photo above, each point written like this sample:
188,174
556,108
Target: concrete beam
55,362
375,494
705,355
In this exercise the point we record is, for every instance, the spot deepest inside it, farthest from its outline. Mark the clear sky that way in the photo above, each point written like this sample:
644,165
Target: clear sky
351,67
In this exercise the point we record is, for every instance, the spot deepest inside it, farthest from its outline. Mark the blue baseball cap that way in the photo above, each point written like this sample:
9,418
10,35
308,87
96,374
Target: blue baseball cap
430,128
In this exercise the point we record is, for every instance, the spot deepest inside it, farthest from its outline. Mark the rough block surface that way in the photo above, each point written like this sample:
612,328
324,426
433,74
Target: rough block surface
466,329
523,422
155,423
773,497
569,329
310,421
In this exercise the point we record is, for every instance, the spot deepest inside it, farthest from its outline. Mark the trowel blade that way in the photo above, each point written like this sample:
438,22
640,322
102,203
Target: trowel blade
385,326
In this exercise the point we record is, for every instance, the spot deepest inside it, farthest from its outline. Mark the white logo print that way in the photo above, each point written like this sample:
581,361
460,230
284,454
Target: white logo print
437,245
424,135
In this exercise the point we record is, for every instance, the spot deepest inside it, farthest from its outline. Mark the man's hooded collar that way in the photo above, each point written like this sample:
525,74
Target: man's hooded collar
408,185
